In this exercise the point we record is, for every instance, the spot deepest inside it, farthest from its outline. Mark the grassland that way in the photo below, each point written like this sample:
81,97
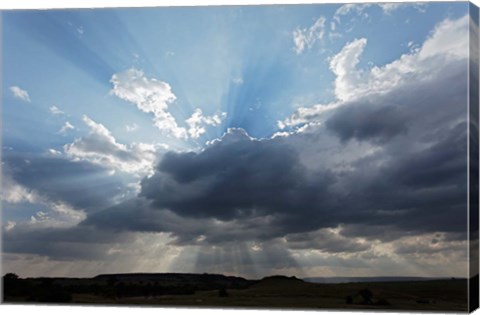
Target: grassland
273,292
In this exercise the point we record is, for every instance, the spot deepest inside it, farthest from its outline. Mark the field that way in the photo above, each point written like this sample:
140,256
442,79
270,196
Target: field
219,291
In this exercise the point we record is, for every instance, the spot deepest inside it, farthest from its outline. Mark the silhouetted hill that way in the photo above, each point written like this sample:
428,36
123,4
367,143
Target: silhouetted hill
201,281
276,285
366,279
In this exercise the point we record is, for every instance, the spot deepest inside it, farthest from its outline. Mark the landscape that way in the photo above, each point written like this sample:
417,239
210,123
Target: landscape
309,156
210,290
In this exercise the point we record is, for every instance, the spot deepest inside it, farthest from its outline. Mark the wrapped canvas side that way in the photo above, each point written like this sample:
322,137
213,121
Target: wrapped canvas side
473,158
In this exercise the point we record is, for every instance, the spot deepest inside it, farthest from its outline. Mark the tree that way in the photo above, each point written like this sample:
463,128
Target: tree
366,295
10,277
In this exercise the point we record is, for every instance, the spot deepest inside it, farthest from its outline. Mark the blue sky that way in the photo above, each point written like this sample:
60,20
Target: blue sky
66,58
111,91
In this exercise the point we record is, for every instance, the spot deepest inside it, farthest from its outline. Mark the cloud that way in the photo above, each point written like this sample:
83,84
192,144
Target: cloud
390,159
326,240
57,179
19,93
132,127
238,80
154,96
359,9
54,213
234,177
366,121
446,44
389,8
238,184
343,65
55,110
54,152
197,121
66,126
349,8
15,193
445,40
375,180
305,38
150,96
60,243
100,147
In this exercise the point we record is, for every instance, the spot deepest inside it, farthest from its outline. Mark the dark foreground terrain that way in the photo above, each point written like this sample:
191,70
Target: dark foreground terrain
203,290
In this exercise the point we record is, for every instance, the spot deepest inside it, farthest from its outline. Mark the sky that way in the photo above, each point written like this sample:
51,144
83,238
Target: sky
307,140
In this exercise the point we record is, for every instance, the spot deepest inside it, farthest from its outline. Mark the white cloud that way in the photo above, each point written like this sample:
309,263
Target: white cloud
150,96
100,147
9,225
15,193
55,110
67,126
349,8
447,42
54,152
360,8
56,213
19,93
238,80
343,66
306,37
388,8
154,96
131,127
448,38
197,119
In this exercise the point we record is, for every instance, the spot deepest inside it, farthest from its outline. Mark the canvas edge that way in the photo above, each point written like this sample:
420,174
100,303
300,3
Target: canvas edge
1,152
473,159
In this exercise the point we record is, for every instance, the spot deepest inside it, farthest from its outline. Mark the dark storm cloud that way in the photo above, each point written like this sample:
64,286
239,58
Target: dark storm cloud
418,110
234,178
67,243
240,188
83,185
325,241
368,122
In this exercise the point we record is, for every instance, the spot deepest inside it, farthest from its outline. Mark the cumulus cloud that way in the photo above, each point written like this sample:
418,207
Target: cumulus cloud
305,38
343,65
197,121
19,93
446,44
100,147
150,96
153,96
55,110
66,127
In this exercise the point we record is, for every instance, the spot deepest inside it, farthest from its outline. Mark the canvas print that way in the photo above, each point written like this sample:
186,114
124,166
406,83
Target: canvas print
320,156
